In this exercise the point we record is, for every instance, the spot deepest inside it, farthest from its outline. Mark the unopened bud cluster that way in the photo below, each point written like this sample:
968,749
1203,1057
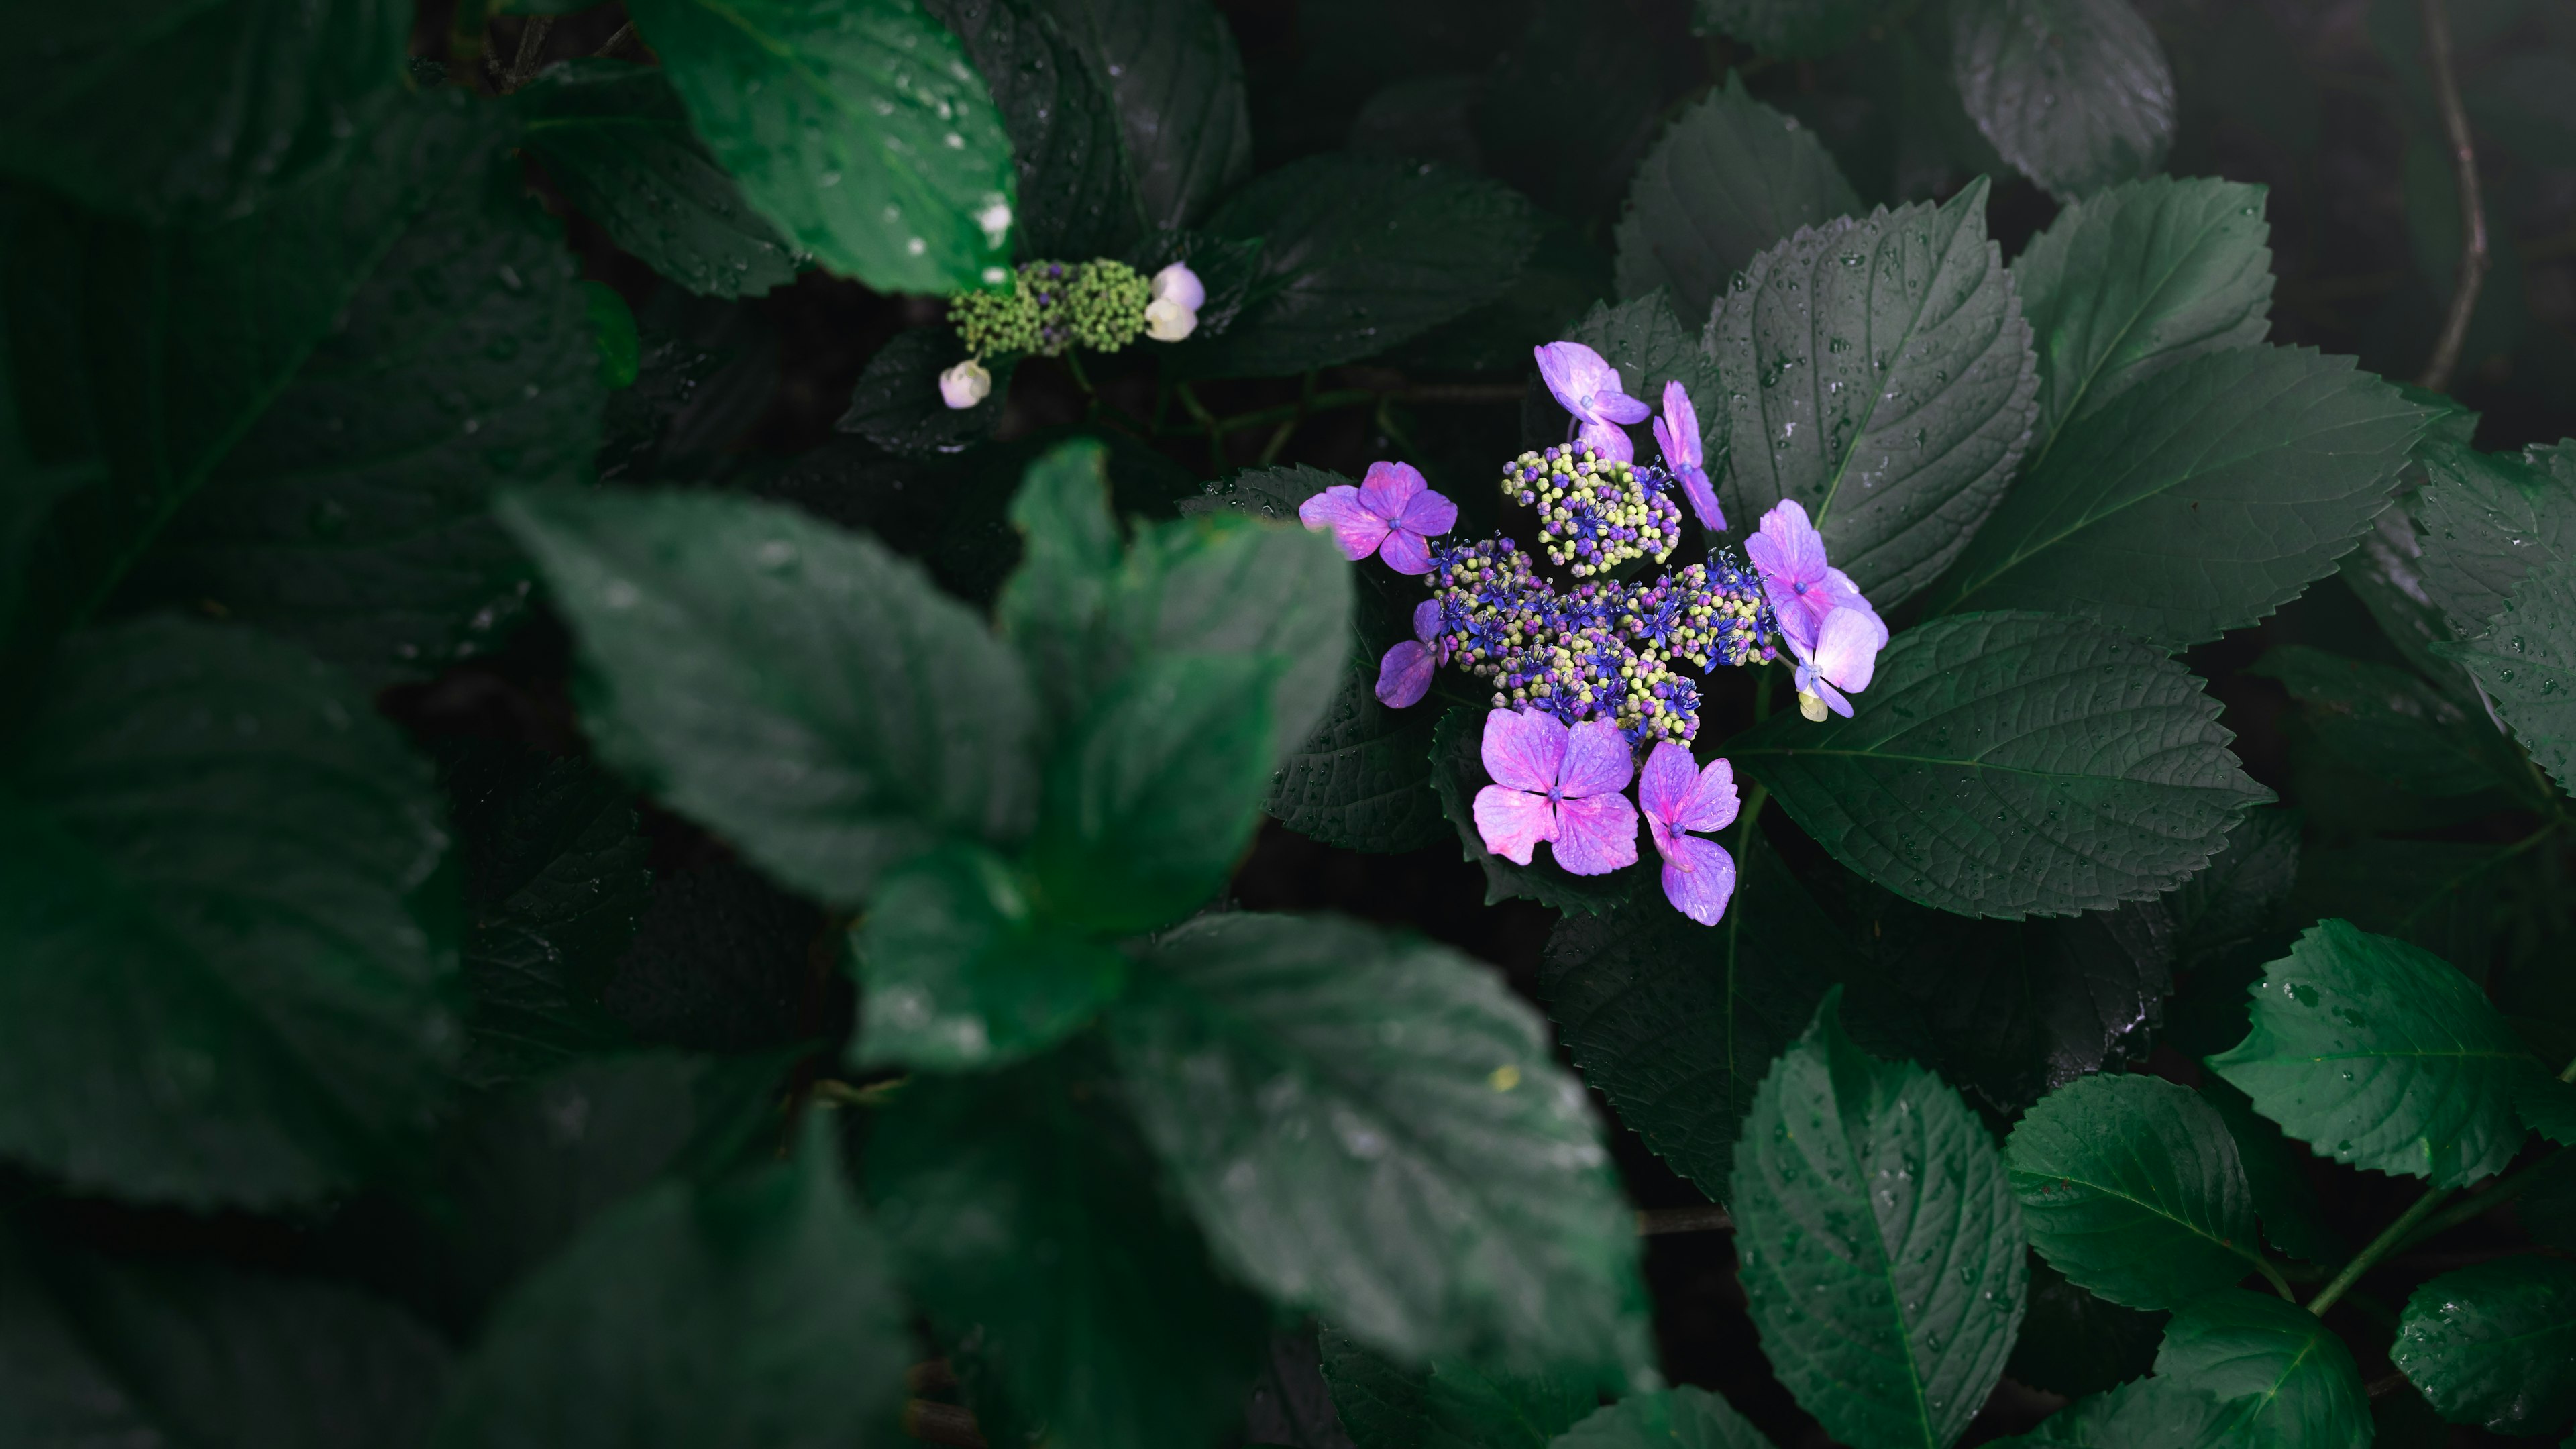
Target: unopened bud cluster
1053,306
1594,512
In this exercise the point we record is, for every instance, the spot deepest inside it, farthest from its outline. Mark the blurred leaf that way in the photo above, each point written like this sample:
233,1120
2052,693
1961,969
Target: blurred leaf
1077,198
1448,1404
1791,29
2148,1414
2386,721
1684,1417
1052,605
1177,81
2286,1379
897,404
2495,1344
2075,1344
724,961
2132,1189
1574,159
2438,894
2077,94
2527,100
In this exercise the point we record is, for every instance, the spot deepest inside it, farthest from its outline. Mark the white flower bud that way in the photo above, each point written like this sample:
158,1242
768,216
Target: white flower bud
1177,283
1166,320
1812,705
965,385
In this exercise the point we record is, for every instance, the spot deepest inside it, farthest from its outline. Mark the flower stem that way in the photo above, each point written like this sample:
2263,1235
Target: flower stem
2380,1247
2279,1284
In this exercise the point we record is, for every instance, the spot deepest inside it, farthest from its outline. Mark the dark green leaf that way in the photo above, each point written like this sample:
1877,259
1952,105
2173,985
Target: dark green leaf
2148,1414
1727,180
724,961
1076,197
1024,1211
2527,661
2485,520
2132,1189
1371,1127
1684,1417
2548,1206
207,109
1177,81
1675,1022
2199,500
959,974
2386,721
2548,1106
2439,894
1846,1163
2285,1378
897,403
1448,1404
612,328
2495,1344
2073,1343
2127,283
2011,765
1070,547
690,1316
615,138
835,118
2239,897
2376,1053
1791,29
355,516
1457,773
797,688
1573,160
1564,276
227,971
2284,1201
1359,254
2077,94
1880,375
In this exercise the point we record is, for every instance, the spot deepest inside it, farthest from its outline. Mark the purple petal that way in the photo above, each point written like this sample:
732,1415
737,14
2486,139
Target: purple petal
1513,821
1597,761
1787,545
1608,441
1596,836
1426,620
1404,675
1703,499
1712,803
1677,431
1847,647
1664,786
1699,877
1798,618
1575,374
1523,749
1617,407
1430,513
1405,552
1666,839
1390,486
1354,527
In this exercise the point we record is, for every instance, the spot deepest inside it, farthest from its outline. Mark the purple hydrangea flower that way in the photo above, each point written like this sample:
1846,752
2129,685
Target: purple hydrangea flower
1845,656
1404,675
1803,588
1677,435
1559,785
1587,386
1699,876
1392,514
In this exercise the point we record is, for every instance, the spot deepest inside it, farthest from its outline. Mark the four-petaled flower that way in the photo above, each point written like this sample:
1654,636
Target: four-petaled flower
1699,875
1833,632
1391,514
1404,675
1845,656
1677,435
1559,785
1588,386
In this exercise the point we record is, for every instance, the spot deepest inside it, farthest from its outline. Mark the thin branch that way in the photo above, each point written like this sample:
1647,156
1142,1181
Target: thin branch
2380,1247
1655,1222
2473,213
617,44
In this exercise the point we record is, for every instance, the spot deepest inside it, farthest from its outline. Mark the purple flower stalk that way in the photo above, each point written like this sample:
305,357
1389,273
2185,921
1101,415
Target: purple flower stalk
1392,513
1404,675
1559,785
1677,436
1587,386
1699,876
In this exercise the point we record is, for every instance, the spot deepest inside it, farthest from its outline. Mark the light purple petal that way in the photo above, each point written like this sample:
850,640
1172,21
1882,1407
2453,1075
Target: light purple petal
1712,803
1596,836
1703,498
1404,675
1523,749
1354,527
1664,786
1663,835
1430,513
1575,374
1513,821
1847,648
1597,761
1389,487
1608,441
1677,431
1618,407
1787,545
1426,620
1405,552
1699,877
1797,619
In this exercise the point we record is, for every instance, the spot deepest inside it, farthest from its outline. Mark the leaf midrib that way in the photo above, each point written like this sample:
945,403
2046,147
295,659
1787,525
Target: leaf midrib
1878,394
2156,1210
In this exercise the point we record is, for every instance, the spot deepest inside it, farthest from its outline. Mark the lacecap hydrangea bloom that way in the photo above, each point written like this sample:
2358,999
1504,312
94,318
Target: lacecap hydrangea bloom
1053,307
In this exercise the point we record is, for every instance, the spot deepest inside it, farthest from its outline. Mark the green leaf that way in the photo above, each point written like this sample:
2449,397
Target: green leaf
2548,1106
355,516
1791,29
2284,1201
2239,897
1675,1022
2132,1189
2012,765
690,1315
1358,254
202,110
2484,520
2077,94
2548,1206
2073,1343
959,973
2386,721
227,970
2438,894
2495,1344
2199,500
1023,1210
1845,1162
897,404
1371,1127
615,138
1684,1417
1076,196
1447,1404
1070,547
1728,179
1880,375
1457,773
108,1353
1177,80
2129,282
2285,1378
612,328
1155,794
798,689
2376,1053
2527,662
834,116
2148,1414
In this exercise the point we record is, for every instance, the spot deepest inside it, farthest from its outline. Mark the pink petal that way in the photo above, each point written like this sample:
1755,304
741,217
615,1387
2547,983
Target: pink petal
1574,372
1596,836
1597,761
1797,617
1390,486
1523,749
1354,527
1677,431
1512,822
1664,786
1430,514
1426,620
1712,803
1703,499
1404,675
1847,647
1666,839
1607,441
1405,552
1699,877
1788,545
1618,407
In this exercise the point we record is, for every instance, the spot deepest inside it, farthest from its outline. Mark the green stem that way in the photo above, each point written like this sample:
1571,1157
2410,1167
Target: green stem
2280,1284
2380,1247
1288,425
1207,421
1073,364
2506,1190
